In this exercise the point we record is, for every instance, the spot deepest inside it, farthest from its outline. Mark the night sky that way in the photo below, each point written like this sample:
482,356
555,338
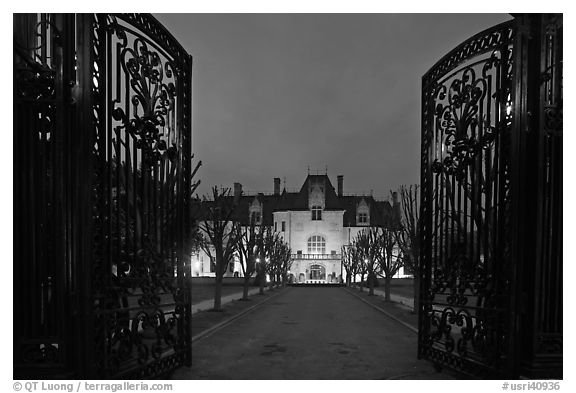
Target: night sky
276,93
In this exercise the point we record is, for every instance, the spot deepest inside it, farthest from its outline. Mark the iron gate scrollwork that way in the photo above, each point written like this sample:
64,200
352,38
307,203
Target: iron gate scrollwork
112,96
466,120
141,90
491,239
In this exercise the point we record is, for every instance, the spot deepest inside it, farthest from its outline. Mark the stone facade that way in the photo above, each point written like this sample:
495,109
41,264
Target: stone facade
315,222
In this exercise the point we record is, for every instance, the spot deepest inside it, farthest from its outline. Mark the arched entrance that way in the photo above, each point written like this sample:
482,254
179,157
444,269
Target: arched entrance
317,272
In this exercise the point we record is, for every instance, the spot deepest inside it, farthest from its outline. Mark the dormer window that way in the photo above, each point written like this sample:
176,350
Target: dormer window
316,213
255,212
255,217
362,213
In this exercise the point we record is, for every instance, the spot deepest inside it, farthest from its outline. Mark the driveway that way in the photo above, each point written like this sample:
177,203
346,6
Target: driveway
310,333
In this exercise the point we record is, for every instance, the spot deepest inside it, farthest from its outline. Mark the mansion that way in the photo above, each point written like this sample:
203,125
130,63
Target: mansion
315,222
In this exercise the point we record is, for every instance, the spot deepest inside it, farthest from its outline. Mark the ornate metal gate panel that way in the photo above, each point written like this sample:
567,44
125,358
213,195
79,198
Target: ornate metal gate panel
141,90
491,256
466,122
111,185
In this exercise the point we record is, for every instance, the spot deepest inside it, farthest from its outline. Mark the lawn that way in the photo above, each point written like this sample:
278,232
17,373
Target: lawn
201,292
203,287
206,292
400,286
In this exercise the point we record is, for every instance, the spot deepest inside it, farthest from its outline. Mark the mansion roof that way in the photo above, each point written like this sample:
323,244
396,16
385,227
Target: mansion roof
381,212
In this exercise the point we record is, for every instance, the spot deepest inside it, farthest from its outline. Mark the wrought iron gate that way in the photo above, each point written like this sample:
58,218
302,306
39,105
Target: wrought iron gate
102,181
488,170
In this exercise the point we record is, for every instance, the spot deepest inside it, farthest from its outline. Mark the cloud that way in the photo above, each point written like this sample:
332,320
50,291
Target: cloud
276,93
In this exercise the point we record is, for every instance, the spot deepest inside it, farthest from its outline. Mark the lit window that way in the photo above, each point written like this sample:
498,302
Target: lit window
316,245
316,213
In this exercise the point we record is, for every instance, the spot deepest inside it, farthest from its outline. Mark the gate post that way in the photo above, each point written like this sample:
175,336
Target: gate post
535,350
43,246
82,175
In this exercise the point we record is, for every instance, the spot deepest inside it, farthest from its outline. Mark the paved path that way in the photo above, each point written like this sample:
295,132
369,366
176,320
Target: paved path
309,333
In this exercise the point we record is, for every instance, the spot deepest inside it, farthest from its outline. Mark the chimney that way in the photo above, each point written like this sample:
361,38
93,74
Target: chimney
237,192
396,207
340,184
276,186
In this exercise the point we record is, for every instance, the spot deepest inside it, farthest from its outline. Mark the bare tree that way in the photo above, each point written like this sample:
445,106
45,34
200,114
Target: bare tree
280,261
266,248
129,227
220,236
275,257
366,244
387,256
408,236
357,263
360,265
249,242
286,261
348,261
